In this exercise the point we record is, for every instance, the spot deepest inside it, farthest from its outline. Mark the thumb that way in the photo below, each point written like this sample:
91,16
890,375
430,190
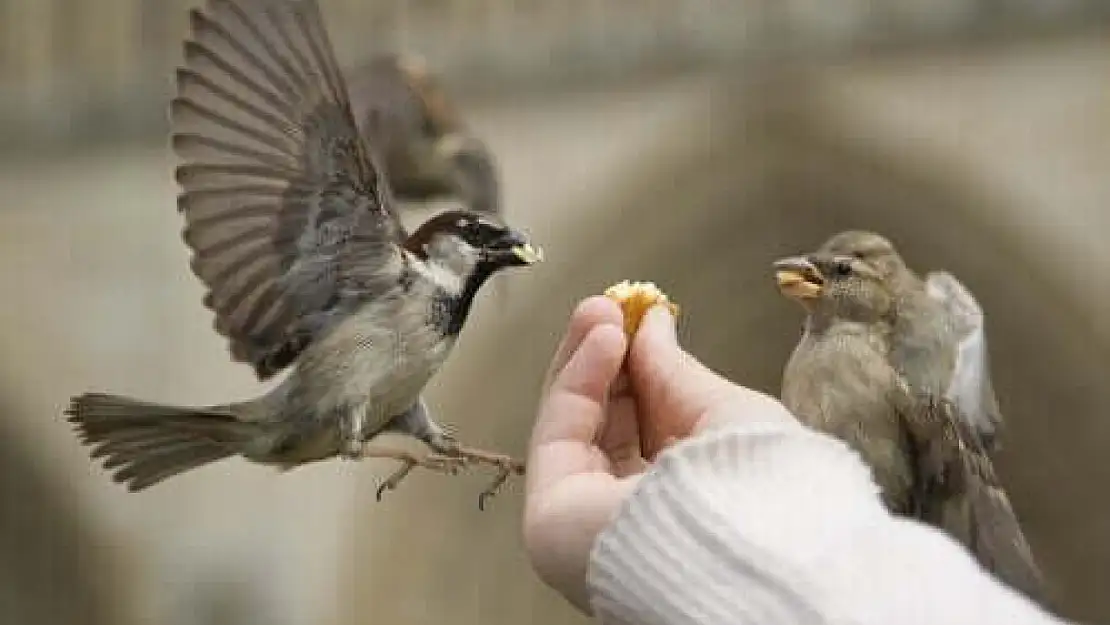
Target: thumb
676,395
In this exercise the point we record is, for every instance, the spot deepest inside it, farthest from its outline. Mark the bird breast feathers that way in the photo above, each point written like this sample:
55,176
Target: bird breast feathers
386,348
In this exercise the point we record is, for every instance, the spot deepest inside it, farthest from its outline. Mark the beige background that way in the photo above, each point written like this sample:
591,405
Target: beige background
985,159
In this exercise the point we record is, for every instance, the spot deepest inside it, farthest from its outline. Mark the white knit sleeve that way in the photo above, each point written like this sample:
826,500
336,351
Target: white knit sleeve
774,524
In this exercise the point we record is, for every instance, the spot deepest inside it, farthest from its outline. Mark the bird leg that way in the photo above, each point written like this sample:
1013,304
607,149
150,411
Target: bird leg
438,463
506,465
417,422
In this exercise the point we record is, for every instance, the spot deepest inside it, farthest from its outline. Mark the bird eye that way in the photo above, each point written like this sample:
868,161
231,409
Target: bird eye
469,227
842,268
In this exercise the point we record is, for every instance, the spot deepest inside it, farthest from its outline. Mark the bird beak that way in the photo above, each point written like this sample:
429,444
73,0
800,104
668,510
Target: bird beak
513,248
528,254
798,278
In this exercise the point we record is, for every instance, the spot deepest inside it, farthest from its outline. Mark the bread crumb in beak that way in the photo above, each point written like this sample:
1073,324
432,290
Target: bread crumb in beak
528,253
635,299
797,285
798,278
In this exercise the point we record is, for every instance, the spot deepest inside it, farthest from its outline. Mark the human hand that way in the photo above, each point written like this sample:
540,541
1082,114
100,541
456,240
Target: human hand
601,418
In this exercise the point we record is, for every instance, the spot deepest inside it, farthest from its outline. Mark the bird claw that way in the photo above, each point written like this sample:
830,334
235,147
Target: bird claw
506,466
449,459
491,490
394,479
439,463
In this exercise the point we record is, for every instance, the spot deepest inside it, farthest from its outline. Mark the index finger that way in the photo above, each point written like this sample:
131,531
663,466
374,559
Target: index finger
573,410
589,313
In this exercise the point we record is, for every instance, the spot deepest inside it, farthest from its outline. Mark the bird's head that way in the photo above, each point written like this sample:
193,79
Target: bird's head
836,285
874,249
469,244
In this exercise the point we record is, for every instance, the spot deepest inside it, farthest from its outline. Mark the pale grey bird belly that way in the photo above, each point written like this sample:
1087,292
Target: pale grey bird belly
351,382
380,369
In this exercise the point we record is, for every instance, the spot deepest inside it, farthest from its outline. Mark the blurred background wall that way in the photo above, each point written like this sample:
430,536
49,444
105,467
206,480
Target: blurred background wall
689,142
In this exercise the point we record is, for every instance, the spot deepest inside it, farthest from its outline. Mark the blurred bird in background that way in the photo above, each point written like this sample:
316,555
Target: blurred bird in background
423,144
897,367
291,220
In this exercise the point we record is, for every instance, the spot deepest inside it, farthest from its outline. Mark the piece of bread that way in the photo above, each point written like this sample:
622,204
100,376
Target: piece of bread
635,298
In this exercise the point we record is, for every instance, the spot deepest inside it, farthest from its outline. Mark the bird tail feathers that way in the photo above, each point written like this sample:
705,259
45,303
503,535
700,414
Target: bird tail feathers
145,443
1000,545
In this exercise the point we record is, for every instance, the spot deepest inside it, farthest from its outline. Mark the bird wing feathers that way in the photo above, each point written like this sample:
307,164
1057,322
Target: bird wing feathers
970,387
287,213
956,488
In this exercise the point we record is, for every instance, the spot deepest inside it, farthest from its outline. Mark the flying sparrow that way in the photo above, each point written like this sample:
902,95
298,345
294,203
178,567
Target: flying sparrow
291,221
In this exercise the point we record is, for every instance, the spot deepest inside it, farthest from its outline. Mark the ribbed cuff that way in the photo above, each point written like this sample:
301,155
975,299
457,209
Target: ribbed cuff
721,530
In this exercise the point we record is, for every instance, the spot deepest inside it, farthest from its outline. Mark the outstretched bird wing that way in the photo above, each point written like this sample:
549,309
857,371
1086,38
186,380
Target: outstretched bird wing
957,489
289,217
970,387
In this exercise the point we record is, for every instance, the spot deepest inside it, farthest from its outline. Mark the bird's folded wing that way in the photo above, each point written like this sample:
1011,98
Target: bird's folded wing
970,387
288,216
958,490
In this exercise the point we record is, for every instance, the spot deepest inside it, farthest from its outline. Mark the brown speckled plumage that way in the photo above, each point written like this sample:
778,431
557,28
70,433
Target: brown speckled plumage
896,366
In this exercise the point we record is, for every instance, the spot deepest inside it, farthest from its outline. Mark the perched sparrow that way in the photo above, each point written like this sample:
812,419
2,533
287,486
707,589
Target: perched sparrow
939,343
307,266
424,146
925,453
